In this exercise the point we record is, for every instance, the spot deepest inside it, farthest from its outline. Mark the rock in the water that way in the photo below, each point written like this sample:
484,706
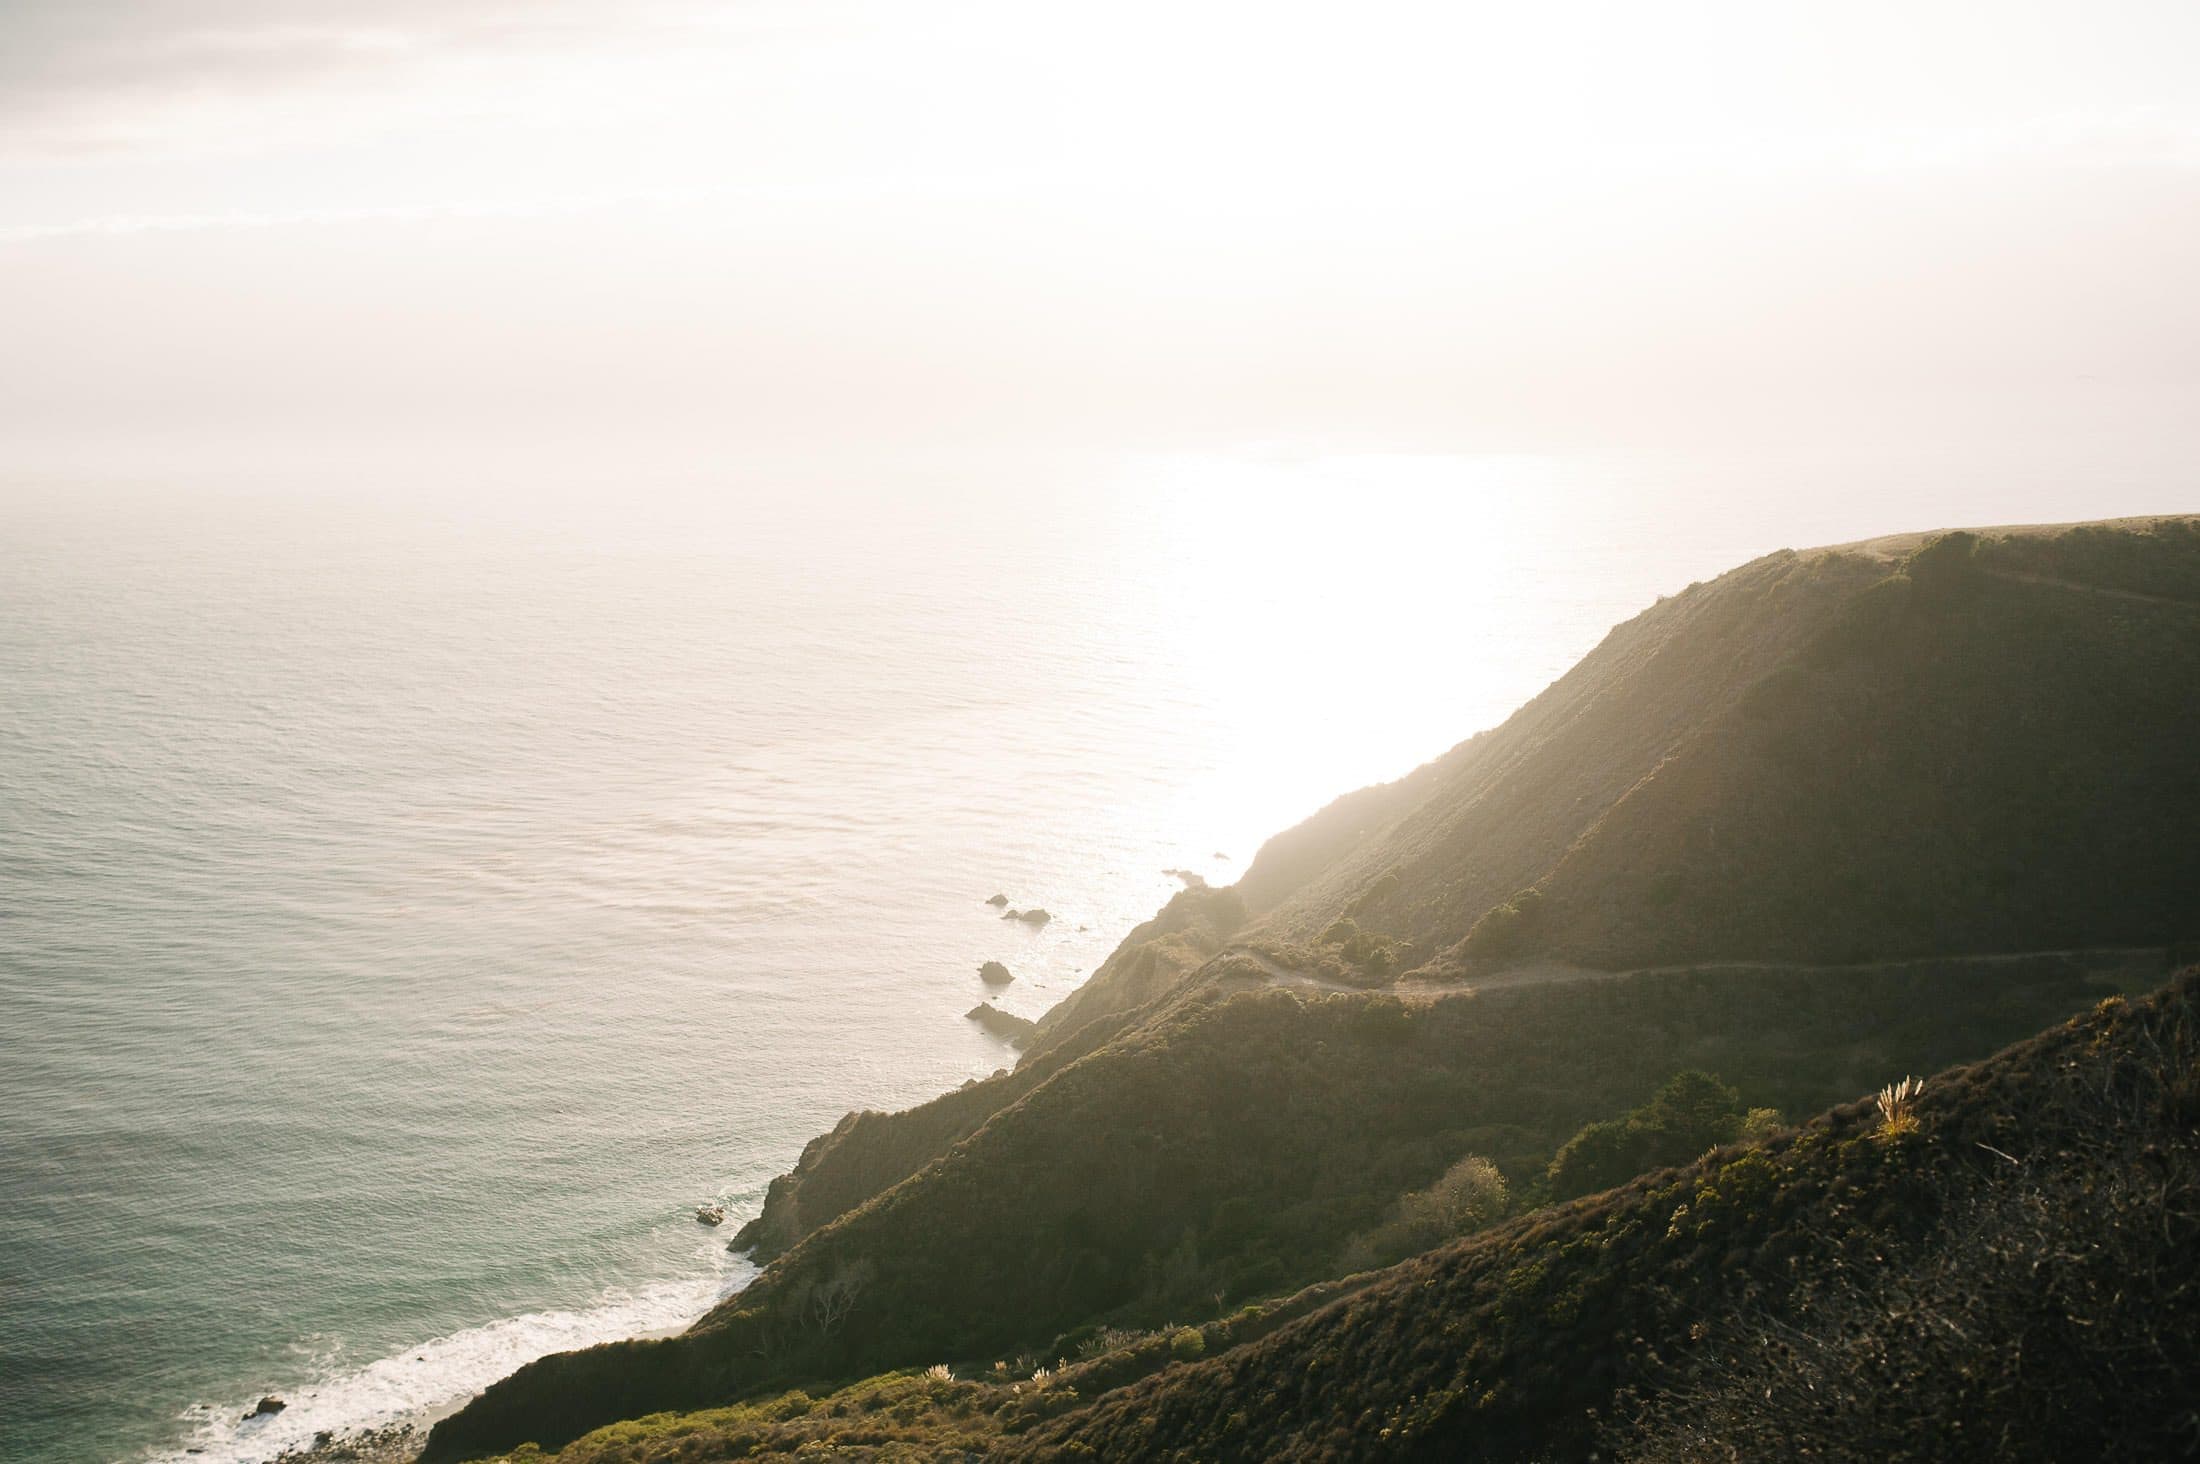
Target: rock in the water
1016,1030
324,1437
1033,917
1192,880
996,974
997,901
711,1214
267,1405
1222,856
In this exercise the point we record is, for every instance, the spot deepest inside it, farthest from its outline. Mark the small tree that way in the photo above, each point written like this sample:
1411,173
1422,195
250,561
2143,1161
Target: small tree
1465,1197
1469,1196
1693,1112
824,1304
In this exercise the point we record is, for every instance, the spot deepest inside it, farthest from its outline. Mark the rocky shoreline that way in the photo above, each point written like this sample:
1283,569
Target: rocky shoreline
397,1443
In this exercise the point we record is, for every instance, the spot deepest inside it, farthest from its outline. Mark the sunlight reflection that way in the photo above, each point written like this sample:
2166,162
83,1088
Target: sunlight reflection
1309,590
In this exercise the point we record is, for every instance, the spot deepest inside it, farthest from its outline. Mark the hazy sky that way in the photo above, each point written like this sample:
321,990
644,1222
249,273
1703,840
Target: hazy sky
1394,224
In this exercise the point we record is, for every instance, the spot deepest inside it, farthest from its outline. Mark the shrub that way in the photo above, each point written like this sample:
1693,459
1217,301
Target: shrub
1693,1112
1109,1339
1467,1197
1759,1124
1506,930
1371,955
1601,1155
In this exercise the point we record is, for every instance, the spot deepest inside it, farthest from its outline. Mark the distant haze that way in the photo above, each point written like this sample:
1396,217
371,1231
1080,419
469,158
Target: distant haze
839,225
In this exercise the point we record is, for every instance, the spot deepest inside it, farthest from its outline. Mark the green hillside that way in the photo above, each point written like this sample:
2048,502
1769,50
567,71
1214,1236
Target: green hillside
2009,1278
1963,743
1231,1153
1995,1270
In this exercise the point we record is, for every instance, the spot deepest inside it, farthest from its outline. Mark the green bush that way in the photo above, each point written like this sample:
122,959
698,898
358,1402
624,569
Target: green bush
1507,930
1693,1112
1469,1196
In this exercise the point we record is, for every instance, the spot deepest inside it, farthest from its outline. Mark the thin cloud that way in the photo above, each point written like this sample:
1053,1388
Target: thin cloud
934,188
124,224
89,76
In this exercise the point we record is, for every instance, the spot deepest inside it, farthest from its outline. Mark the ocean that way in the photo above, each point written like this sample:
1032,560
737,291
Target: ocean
418,895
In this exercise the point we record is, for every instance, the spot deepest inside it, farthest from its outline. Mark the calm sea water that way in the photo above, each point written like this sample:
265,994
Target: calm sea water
415,899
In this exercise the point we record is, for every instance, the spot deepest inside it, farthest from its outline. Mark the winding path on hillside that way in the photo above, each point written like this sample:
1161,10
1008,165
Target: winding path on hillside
1540,973
2054,582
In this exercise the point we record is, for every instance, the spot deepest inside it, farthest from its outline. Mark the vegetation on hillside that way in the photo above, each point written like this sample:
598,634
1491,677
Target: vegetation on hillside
2010,1280
1979,745
1423,859
2005,1278
1150,963
1693,1112
1974,756
869,1152
1471,1195
1231,1153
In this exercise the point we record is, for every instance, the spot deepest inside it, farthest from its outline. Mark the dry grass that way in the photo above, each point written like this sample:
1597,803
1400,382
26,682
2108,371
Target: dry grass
1898,1108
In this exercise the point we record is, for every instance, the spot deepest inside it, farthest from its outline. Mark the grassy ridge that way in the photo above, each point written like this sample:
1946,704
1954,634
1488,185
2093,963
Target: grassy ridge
1981,744
1512,1346
2002,1276
1962,761
1231,1152
1495,814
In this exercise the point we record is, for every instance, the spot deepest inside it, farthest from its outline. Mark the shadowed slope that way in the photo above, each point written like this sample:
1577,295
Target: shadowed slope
2002,1273
1509,1346
1231,1149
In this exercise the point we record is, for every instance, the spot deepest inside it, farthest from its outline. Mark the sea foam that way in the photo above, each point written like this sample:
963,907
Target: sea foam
421,1383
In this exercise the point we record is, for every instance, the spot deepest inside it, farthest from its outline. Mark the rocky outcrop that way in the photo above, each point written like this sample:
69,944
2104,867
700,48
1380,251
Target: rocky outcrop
993,973
1004,1025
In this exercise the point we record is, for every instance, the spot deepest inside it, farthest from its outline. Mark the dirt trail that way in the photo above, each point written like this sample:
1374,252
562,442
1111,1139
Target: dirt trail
1529,974
1537,973
2052,582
